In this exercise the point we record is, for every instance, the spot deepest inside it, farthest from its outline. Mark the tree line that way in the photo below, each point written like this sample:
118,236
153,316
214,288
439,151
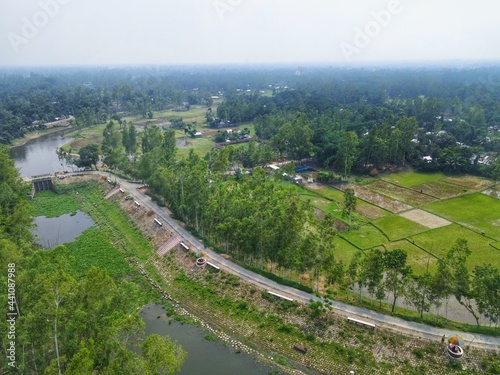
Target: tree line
67,323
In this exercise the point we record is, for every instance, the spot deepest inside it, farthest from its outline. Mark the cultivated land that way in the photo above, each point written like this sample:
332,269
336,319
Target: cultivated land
423,213
223,304
394,208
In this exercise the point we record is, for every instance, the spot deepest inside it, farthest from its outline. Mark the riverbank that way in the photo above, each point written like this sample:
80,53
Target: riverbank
38,134
269,326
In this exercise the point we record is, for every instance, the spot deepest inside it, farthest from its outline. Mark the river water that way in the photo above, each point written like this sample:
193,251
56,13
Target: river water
39,156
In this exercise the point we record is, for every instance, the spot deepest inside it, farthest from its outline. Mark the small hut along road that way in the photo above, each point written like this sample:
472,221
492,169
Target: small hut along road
380,320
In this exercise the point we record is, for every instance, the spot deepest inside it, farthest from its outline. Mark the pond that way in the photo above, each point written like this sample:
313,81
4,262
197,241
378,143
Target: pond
51,232
204,356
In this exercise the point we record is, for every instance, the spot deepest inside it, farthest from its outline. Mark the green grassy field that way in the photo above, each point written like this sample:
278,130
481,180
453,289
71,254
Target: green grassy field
476,211
397,227
366,237
92,248
50,204
439,241
85,137
417,259
343,251
411,178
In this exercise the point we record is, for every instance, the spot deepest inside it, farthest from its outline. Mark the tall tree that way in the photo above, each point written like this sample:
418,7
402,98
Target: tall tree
350,201
89,156
346,154
462,287
486,283
162,356
396,272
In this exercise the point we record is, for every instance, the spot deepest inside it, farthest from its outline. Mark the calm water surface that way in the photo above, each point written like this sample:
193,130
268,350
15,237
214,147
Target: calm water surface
59,230
204,356
39,156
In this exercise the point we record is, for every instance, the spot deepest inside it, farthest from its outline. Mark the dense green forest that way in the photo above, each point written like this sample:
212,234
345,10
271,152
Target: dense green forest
59,321
345,119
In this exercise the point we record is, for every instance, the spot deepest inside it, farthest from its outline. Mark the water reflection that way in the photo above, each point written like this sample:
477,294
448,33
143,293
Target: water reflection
59,230
39,156
204,356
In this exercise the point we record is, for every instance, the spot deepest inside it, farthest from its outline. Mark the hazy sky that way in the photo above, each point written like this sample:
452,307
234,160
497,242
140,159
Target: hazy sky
94,32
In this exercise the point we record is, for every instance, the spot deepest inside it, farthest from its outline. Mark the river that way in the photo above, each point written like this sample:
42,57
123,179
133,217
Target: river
38,156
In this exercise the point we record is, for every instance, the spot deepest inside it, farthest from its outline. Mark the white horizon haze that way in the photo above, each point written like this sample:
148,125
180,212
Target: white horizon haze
176,32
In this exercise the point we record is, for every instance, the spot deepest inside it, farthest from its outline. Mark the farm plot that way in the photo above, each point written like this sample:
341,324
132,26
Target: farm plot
405,195
366,237
417,259
439,189
471,182
397,227
476,211
363,208
411,178
492,193
439,241
343,251
425,218
377,199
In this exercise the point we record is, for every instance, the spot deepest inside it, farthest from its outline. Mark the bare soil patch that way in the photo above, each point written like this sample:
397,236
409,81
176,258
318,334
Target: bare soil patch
369,211
440,189
425,218
471,182
405,195
377,199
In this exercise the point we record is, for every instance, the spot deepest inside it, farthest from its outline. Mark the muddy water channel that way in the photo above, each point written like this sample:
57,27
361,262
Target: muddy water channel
204,356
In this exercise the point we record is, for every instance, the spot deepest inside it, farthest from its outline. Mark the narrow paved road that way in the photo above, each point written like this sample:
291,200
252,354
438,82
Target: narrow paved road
381,320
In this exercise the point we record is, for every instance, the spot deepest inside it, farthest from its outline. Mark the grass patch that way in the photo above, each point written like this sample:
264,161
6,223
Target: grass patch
363,208
343,251
476,211
417,258
92,248
85,137
411,178
201,147
111,220
438,242
496,245
397,227
366,237
50,204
